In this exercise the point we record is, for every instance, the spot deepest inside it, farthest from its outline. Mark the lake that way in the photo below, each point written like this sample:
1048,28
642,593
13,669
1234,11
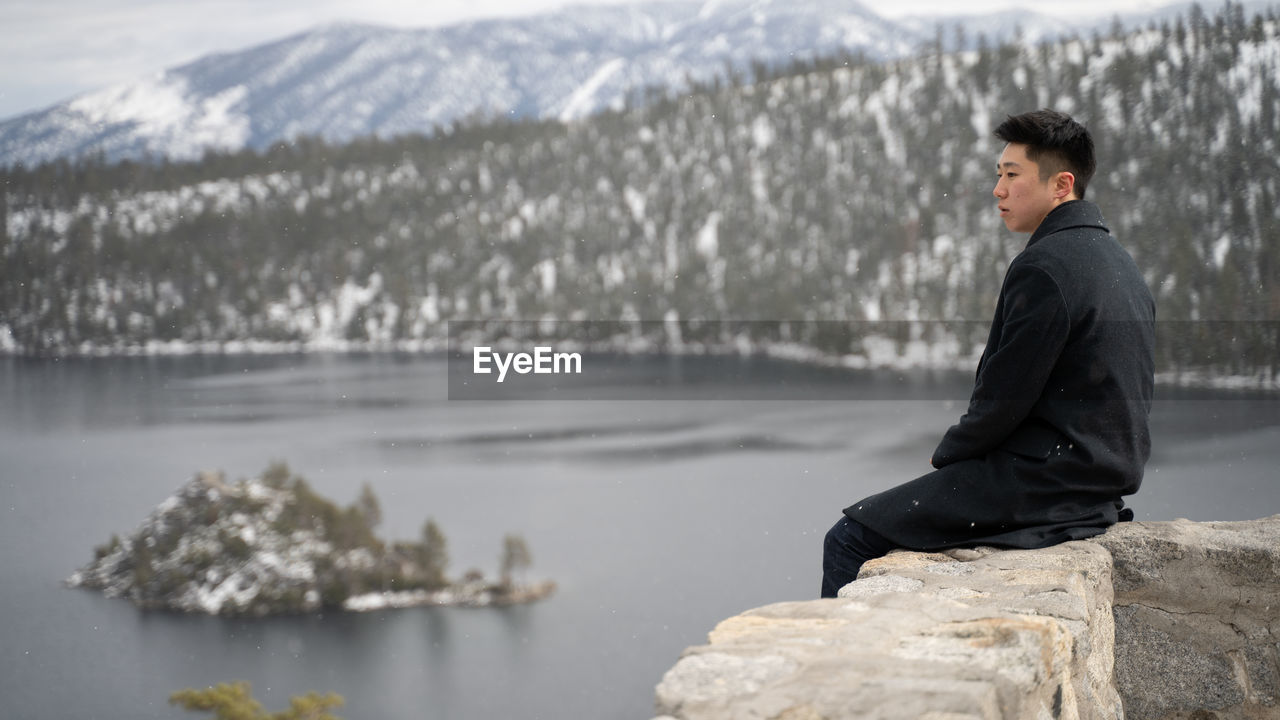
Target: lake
657,516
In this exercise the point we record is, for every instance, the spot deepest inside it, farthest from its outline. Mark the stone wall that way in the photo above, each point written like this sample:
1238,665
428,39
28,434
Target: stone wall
1197,609
1150,621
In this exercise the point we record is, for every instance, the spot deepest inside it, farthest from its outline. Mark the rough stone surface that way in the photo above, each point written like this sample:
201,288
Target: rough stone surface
1190,632
1197,609
1017,634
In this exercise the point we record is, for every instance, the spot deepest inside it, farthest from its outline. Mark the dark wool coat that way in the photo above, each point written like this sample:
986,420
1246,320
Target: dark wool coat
1056,429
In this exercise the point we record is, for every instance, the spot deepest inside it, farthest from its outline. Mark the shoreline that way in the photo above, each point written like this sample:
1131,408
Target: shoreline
471,595
919,356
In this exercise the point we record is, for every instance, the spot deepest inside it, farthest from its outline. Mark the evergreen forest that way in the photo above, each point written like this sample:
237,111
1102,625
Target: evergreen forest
841,193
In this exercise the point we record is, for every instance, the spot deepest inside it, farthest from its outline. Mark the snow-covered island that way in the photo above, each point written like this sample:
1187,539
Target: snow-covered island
271,545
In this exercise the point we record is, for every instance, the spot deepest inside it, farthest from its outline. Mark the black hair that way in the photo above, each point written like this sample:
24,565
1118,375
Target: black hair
1054,141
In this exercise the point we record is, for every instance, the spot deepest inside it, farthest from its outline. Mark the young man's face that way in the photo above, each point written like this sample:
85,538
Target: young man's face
1022,197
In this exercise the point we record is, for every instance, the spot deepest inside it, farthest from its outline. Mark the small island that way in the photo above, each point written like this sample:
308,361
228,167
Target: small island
272,545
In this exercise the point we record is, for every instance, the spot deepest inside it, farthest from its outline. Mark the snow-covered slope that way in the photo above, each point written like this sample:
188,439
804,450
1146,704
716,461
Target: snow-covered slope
843,195
345,81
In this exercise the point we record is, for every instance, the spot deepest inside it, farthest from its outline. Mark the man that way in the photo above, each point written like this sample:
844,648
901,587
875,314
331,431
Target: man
1056,428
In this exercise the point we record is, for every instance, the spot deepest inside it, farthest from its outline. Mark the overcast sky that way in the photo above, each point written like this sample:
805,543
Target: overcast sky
51,50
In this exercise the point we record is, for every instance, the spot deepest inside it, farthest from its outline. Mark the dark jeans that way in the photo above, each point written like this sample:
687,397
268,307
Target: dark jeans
849,544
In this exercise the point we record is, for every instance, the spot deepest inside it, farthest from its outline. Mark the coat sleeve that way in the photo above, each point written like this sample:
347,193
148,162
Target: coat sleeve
1034,329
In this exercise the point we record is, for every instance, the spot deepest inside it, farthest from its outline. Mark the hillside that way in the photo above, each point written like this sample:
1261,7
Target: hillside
345,81
838,192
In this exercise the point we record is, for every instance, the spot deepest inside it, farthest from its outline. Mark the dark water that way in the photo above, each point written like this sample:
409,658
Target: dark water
657,517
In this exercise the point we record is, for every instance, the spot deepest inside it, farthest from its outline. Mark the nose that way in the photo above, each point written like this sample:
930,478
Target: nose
998,190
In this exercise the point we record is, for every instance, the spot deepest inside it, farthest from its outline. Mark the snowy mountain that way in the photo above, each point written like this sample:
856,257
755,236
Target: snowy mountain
347,81
851,197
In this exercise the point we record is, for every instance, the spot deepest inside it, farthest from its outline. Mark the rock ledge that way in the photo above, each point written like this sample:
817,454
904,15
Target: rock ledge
1159,620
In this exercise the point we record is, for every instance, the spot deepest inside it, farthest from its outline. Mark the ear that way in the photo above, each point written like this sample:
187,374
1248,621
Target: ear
1064,186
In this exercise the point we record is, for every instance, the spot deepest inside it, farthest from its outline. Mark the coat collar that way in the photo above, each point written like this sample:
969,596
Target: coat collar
1070,214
